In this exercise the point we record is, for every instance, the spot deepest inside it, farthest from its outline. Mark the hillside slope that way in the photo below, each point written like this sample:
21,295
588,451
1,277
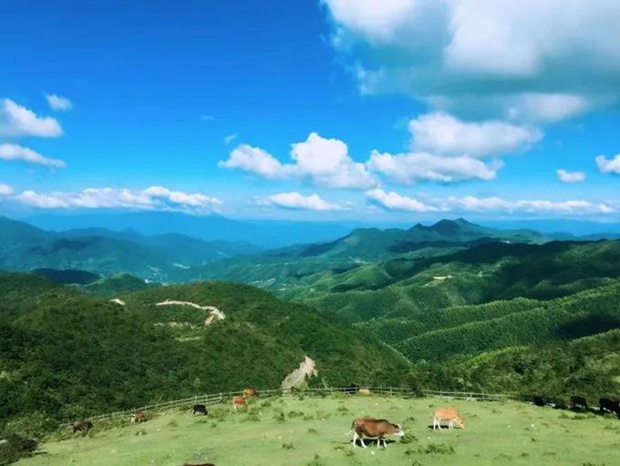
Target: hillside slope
66,354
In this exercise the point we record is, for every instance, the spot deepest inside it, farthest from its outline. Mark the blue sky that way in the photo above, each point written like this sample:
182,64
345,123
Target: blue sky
333,109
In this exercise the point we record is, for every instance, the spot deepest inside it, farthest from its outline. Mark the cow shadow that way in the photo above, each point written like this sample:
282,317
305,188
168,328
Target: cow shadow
369,442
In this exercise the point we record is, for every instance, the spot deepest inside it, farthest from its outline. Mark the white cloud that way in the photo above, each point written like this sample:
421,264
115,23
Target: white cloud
208,118
542,61
153,198
5,190
182,198
444,134
570,177
608,165
328,163
58,102
325,162
395,202
254,160
411,167
23,154
295,200
497,204
230,138
18,121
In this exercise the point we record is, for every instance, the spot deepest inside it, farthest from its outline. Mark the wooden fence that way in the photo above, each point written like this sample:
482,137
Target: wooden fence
224,397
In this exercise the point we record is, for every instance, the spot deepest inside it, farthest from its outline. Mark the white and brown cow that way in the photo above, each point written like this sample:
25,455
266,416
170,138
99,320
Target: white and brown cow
447,414
138,416
366,427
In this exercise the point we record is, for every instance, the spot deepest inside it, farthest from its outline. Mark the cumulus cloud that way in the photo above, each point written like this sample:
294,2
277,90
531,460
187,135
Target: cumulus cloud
570,177
23,154
17,121
5,190
539,61
254,160
153,198
411,167
296,201
444,134
57,102
606,165
395,202
325,162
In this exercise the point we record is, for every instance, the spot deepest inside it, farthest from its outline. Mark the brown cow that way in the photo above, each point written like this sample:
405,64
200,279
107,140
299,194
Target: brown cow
374,428
447,414
138,416
250,392
239,401
82,426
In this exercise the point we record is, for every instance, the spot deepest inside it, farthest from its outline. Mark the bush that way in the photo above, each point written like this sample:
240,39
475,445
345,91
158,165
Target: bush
14,447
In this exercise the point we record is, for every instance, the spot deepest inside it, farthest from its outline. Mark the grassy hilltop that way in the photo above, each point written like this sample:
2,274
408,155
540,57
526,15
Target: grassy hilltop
312,431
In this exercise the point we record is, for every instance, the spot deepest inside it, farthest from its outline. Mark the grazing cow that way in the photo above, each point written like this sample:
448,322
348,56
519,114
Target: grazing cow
447,414
364,391
578,403
199,409
539,401
239,401
374,428
607,405
82,426
250,392
138,416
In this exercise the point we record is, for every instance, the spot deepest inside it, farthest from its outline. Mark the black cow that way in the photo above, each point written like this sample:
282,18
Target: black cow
578,403
351,389
607,405
82,426
199,409
539,401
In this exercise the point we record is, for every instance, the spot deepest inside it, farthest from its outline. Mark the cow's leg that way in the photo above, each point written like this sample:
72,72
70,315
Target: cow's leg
362,440
354,439
436,423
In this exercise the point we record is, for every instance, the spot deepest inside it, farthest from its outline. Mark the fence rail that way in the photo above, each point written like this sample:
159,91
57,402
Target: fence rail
215,398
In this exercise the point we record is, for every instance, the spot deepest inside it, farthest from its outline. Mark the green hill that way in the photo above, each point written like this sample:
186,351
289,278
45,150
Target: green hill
65,354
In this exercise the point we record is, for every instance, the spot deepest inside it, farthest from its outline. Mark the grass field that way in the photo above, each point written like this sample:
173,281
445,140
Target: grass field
298,430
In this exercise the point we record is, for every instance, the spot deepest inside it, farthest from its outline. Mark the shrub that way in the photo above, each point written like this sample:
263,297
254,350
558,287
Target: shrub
15,447
437,449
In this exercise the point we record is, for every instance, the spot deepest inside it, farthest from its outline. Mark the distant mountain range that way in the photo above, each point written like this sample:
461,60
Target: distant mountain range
266,233
99,251
152,247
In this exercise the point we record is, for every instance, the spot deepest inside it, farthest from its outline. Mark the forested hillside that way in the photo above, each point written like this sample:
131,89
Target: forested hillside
65,354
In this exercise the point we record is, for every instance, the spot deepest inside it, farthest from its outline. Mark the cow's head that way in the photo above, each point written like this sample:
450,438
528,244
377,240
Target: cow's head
460,422
398,430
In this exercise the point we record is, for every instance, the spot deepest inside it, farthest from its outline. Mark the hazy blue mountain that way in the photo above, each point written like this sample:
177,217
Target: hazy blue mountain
268,234
563,228
63,255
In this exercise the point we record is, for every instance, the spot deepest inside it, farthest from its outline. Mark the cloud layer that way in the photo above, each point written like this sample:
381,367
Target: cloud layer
152,198
526,60
23,154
